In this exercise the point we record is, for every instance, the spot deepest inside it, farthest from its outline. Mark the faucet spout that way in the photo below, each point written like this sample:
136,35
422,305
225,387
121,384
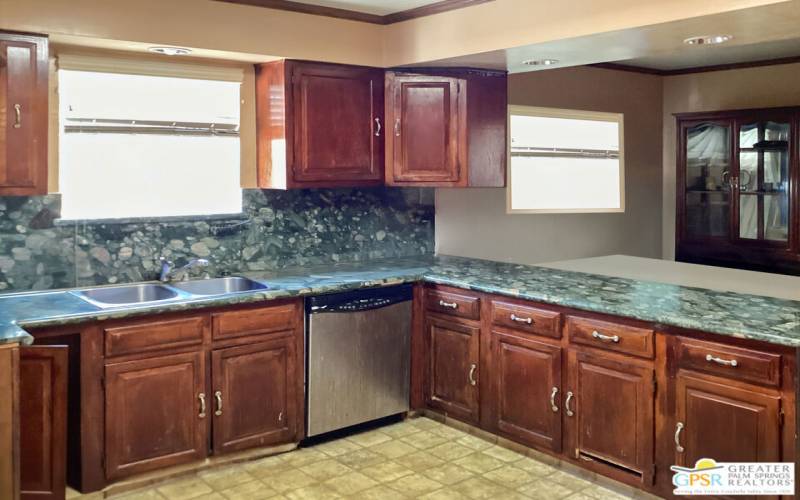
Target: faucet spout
170,273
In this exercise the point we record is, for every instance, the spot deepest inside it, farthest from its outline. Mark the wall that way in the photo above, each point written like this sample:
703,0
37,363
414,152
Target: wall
765,86
474,223
278,229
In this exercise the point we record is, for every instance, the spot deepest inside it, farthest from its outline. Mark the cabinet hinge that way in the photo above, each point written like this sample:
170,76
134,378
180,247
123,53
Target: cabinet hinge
653,470
781,418
655,385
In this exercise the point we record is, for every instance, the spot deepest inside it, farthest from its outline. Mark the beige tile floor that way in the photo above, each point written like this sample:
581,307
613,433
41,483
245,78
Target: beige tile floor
417,458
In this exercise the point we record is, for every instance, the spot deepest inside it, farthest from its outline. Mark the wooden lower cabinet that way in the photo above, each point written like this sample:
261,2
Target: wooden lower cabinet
526,385
253,394
156,413
452,380
611,416
726,421
43,421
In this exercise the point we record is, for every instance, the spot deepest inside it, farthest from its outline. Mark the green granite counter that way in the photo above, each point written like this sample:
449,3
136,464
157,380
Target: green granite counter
734,314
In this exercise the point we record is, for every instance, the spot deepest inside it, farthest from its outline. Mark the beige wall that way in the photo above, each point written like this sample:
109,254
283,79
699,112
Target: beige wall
474,223
718,90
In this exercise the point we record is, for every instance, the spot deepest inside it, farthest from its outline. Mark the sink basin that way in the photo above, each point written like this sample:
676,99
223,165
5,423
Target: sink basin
219,286
127,295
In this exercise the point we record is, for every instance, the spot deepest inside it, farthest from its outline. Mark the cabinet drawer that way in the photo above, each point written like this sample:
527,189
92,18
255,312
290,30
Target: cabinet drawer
154,336
733,362
527,318
610,336
254,321
453,303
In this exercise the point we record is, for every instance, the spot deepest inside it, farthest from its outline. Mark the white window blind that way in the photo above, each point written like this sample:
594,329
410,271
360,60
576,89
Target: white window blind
136,145
564,161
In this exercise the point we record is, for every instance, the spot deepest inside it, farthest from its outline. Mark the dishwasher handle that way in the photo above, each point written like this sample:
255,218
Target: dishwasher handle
359,300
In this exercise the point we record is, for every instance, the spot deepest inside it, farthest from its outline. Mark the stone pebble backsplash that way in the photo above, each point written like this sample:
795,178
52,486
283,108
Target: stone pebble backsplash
278,229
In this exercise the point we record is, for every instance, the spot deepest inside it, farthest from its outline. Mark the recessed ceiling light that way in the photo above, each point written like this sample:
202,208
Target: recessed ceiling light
540,62
708,39
170,51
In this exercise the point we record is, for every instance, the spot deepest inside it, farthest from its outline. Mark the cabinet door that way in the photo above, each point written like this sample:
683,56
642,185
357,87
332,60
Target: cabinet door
727,422
610,413
427,140
155,413
254,395
23,114
526,379
43,421
453,368
338,123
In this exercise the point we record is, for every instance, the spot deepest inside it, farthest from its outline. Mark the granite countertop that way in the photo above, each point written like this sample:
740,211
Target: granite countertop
740,315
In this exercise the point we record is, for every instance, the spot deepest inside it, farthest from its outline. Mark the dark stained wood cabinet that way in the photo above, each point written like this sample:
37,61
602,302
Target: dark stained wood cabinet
526,389
725,421
23,114
446,128
248,413
156,413
609,410
43,421
738,203
452,384
319,125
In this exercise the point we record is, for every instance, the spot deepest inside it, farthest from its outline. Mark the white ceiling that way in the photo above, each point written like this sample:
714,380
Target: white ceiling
760,33
378,7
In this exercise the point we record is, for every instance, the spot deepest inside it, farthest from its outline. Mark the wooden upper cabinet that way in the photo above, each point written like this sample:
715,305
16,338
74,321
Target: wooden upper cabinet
23,114
319,125
446,128
728,422
526,389
156,413
246,412
43,421
453,368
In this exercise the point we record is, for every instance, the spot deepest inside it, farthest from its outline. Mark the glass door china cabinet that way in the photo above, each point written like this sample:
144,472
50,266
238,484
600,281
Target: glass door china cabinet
737,196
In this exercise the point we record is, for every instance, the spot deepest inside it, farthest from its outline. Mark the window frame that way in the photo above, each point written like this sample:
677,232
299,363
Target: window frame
537,111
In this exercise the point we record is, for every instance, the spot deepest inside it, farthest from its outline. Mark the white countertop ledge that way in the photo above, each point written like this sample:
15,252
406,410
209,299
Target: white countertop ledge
680,273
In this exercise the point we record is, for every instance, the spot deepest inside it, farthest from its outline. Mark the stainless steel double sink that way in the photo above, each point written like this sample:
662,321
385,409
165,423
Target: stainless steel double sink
152,293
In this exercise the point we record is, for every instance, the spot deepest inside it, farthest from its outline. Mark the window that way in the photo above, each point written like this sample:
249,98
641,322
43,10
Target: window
132,145
564,161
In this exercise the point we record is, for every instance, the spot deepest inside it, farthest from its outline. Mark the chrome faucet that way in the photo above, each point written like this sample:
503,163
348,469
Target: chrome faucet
170,273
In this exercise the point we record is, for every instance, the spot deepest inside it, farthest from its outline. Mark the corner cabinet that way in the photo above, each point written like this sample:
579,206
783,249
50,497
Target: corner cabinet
738,200
446,128
319,125
23,114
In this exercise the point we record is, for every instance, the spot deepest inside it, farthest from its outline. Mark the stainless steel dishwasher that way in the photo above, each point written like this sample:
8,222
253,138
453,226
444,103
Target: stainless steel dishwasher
358,351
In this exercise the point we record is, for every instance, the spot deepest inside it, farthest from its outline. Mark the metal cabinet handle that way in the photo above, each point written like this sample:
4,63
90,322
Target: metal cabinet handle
610,338
678,429
553,400
397,127
202,398
451,305
566,404
280,417
378,125
218,397
516,318
472,369
17,116
720,361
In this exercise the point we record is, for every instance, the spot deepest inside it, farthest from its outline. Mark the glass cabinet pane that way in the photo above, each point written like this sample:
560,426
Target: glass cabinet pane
763,181
708,180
